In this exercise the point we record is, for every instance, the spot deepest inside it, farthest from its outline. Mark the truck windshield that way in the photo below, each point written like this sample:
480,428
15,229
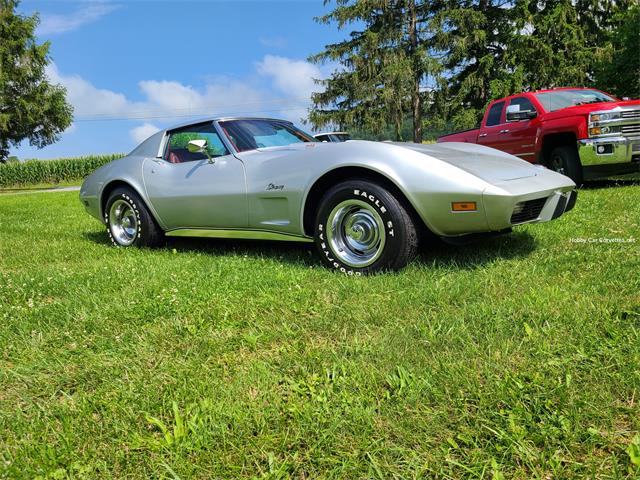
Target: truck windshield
559,99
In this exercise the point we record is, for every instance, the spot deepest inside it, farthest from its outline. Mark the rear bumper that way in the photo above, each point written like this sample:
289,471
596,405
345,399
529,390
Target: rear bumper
609,150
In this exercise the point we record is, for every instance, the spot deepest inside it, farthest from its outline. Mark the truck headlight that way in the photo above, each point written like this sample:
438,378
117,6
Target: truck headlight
593,131
601,117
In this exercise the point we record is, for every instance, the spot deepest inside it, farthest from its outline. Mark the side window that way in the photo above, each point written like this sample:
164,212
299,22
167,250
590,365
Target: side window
524,103
495,113
177,152
321,138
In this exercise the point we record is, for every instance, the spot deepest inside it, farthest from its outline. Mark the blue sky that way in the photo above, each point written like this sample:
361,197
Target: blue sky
133,67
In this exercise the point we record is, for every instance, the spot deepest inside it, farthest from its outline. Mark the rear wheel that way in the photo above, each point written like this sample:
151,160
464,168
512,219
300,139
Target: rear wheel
362,228
565,160
129,222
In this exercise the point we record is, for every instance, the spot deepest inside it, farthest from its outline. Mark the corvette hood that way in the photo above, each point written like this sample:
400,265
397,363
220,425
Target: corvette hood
486,163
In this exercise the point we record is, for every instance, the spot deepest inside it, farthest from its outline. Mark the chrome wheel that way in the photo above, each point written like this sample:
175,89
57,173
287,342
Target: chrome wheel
123,222
356,233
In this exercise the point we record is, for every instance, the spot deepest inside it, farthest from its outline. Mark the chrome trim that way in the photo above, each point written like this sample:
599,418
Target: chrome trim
623,150
163,145
622,142
630,113
356,233
237,234
615,122
225,139
123,222
625,117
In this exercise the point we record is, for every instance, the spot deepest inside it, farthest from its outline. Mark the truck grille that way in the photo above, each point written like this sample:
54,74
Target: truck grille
631,128
527,211
630,114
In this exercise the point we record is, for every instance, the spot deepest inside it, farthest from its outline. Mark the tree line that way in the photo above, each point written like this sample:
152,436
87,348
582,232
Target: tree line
436,64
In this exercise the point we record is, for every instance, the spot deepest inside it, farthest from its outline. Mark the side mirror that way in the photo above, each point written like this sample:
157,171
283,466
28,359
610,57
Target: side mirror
514,114
199,146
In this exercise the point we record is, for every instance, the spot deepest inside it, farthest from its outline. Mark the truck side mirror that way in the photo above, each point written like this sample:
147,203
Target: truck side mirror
514,114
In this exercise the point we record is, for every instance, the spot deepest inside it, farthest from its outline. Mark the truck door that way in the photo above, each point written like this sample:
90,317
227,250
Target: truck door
520,136
491,132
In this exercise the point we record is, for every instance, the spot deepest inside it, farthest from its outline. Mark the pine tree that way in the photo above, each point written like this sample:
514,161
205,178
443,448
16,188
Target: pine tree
552,46
617,45
382,67
475,37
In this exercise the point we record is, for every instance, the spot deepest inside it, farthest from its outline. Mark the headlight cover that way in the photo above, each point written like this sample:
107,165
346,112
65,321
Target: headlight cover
604,130
602,117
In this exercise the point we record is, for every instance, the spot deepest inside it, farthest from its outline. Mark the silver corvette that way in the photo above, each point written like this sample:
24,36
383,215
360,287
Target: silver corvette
364,204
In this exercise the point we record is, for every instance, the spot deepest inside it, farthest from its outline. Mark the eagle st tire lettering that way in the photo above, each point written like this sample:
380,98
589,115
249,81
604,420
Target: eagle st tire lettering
390,217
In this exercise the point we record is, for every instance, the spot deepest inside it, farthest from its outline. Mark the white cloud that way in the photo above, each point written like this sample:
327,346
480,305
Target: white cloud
85,98
294,77
141,133
51,24
281,88
171,95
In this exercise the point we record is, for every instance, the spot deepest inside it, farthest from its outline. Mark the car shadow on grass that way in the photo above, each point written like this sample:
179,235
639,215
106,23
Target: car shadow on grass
476,253
302,254
610,183
292,253
433,252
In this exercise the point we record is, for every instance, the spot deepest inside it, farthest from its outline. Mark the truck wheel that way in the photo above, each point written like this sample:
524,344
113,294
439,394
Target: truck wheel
362,228
129,222
565,160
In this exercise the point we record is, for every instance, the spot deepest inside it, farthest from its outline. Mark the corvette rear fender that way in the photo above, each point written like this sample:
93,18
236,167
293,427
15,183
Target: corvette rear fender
111,186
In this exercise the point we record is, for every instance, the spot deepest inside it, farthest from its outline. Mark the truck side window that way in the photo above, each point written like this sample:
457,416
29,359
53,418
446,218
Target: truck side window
524,103
495,113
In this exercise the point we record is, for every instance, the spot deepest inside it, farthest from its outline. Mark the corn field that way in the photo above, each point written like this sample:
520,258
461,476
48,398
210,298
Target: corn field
34,172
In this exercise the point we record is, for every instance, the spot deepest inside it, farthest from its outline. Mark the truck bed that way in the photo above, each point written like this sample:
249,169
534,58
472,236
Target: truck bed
466,136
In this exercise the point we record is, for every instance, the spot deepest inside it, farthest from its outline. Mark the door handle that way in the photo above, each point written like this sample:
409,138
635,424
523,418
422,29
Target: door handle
506,130
157,161
482,135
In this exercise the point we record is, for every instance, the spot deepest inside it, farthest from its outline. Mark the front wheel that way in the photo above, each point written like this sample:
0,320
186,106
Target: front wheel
363,228
129,222
565,160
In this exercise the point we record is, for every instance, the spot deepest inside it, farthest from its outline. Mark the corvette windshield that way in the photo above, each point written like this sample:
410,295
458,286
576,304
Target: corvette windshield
552,101
258,133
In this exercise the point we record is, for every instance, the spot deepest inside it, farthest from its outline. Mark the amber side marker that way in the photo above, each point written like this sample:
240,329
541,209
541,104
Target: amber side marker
463,207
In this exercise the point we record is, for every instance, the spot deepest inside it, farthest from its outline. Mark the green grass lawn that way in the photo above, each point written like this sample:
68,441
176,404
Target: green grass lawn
516,357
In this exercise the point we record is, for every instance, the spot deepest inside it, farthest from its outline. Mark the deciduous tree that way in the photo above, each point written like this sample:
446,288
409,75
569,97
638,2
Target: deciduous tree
30,107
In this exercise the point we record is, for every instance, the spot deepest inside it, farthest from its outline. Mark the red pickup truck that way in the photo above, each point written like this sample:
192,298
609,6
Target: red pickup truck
582,133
